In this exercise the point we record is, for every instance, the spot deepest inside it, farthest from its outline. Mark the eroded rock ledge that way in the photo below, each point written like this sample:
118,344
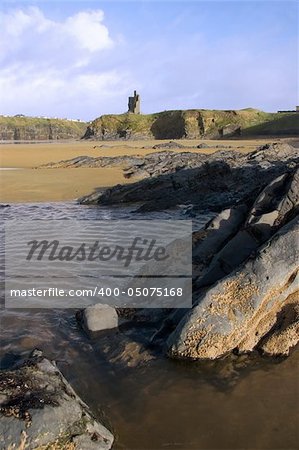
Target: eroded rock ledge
212,182
40,410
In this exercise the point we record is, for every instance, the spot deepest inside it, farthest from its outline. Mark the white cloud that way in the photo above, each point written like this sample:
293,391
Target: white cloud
54,67
84,30
16,22
60,93
87,29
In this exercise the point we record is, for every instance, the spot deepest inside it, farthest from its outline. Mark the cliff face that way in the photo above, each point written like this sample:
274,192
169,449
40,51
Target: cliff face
191,124
34,128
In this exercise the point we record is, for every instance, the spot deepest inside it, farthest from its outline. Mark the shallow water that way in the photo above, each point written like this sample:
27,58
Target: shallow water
11,168
236,403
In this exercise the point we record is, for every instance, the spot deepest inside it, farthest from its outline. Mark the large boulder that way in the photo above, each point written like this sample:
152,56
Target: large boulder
242,307
39,409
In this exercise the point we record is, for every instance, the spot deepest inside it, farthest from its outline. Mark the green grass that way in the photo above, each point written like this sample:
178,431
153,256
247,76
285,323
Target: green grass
280,124
197,123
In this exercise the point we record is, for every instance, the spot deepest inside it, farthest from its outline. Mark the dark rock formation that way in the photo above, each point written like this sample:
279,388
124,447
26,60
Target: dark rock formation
213,182
273,208
169,145
150,165
245,280
210,240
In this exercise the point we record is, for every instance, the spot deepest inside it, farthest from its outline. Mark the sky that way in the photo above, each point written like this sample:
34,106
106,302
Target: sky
82,59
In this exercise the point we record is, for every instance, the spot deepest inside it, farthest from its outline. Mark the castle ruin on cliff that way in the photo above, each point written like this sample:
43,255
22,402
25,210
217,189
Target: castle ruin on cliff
134,104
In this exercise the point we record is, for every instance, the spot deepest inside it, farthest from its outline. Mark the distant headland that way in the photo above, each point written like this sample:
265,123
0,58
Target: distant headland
175,124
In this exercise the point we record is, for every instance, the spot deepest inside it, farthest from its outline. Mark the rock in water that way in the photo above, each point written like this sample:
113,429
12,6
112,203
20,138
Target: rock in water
99,317
39,409
242,307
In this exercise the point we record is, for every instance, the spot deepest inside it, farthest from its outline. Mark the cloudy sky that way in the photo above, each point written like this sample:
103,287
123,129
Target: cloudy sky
81,59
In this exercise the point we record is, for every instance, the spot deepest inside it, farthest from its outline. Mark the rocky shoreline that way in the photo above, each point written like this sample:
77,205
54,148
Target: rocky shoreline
208,182
245,282
245,285
245,261
40,410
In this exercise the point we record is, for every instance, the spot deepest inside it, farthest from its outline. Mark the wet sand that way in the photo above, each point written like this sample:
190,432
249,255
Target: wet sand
28,184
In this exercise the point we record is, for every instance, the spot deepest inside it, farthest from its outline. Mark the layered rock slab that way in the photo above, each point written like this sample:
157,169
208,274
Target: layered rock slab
241,308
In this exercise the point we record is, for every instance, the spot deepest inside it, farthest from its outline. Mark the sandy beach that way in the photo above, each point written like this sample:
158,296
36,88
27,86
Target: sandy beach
26,183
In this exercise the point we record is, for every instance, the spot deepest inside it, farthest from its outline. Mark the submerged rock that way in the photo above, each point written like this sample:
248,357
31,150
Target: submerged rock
99,317
39,409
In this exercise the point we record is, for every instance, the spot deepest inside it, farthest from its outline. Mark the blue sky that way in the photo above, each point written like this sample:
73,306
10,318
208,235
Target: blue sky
82,59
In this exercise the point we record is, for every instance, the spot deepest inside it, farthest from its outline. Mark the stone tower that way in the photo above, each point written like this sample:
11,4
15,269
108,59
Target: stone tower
134,104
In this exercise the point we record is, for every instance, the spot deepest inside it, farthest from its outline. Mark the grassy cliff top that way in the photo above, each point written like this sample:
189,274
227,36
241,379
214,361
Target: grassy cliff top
23,121
194,123
39,128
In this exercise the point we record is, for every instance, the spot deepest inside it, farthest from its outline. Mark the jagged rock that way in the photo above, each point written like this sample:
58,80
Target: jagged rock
271,152
209,241
89,161
273,207
99,317
214,182
241,308
152,164
225,242
41,409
